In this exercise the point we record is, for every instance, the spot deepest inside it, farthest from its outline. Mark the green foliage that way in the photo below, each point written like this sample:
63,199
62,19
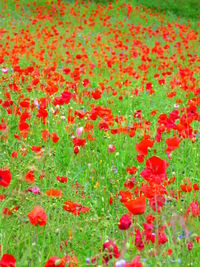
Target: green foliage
182,8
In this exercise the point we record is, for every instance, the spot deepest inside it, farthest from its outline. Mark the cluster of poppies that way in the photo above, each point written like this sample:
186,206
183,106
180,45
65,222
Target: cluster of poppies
76,76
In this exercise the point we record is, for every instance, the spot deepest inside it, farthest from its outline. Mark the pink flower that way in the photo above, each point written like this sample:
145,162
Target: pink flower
4,70
35,190
111,148
79,131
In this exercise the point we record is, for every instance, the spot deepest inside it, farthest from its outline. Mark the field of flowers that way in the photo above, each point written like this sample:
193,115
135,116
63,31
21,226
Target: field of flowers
99,135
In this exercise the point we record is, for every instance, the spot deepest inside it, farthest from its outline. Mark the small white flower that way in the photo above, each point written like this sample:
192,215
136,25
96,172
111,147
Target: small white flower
176,106
120,263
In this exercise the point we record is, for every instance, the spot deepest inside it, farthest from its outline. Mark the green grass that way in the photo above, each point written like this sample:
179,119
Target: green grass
181,8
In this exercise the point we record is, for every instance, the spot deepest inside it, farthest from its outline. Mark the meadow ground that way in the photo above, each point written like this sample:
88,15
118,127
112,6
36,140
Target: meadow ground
99,135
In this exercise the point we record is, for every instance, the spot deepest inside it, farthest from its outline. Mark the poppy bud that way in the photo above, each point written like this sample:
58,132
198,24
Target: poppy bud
124,222
76,150
190,246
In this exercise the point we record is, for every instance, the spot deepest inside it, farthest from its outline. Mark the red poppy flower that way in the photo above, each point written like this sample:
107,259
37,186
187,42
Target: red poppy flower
80,114
5,178
124,222
75,208
55,137
195,187
144,145
54,193
193,209
130,183
172,144
125,196
186,187
131,170
136,206
96,94
190,246
140,158
134,263
42,175
78,142
55,262
46,135
51,89
110,250
71,261
36,149
7,260
61,179
66,71
103,125
85,82
110,200
155,171
14,154
42,114
76,150
37,216
139,239
150,190
8,211
29,177
157,202
2,197
162,238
